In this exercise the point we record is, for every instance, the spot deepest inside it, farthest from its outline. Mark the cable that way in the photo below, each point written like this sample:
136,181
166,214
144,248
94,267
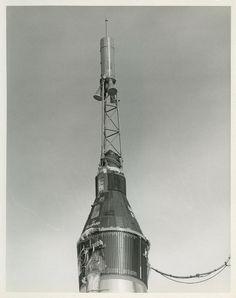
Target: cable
193,276
198,275
194,282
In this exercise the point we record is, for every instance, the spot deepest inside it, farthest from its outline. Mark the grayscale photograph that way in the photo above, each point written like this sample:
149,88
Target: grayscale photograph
118,149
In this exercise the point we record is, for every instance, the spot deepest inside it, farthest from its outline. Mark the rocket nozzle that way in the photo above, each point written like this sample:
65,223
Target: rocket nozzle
98,94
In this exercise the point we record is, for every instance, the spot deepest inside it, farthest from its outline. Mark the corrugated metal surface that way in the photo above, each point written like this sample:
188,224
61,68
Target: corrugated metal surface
114,211
111,207
124,254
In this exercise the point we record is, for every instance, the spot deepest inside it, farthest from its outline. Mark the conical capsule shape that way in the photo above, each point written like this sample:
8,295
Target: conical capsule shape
112,250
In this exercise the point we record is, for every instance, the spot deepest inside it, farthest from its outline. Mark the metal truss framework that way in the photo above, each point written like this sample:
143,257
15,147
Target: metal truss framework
111,138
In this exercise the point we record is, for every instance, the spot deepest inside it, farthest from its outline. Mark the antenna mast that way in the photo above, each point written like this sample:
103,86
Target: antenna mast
111,154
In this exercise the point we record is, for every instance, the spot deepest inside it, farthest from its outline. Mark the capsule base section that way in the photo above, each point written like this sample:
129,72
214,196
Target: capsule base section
112,250
118,284
113,261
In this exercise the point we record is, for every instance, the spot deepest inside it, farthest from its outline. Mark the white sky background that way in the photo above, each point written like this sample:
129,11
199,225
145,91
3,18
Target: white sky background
173,78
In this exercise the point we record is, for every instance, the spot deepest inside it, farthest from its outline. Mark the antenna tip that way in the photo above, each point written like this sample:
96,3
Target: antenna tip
106,21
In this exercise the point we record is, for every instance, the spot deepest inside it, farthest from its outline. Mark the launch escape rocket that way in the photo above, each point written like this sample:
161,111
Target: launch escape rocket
112,250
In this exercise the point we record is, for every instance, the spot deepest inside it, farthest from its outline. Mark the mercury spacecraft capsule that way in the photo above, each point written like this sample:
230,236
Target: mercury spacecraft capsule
112,250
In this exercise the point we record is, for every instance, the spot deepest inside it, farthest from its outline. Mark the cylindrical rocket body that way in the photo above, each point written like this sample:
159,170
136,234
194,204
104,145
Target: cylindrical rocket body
107,51
112,251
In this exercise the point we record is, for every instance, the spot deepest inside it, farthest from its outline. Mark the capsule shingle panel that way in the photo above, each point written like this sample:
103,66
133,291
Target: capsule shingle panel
124,254
114,211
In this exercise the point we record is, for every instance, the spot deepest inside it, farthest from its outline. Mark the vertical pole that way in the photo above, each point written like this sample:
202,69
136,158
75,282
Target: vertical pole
118,121
140,257
104,119
102,122
106,20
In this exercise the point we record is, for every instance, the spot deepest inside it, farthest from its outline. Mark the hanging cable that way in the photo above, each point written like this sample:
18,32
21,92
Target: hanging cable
194,282
198,275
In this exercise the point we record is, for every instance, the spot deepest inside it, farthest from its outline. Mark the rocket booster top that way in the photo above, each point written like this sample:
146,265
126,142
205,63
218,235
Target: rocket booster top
107,51
107,95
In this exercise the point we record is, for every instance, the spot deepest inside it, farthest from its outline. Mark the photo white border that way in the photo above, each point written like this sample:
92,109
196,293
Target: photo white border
3,127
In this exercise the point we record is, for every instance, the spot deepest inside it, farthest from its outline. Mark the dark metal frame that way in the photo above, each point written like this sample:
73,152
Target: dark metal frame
110,124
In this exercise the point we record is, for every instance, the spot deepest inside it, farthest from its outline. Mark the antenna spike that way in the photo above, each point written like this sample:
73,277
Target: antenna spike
106,31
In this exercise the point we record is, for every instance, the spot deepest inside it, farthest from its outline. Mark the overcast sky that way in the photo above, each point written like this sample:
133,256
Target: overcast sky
173,79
